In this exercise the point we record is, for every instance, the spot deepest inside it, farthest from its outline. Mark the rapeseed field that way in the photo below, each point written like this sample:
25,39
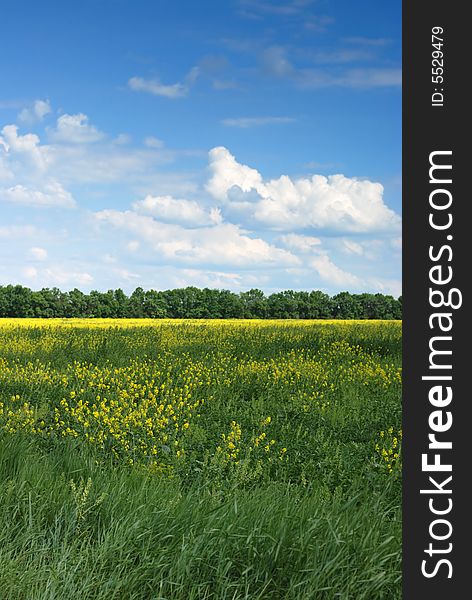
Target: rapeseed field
200,459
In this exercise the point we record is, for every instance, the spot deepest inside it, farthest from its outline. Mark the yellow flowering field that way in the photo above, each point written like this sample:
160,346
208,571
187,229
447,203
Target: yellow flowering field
220,408
161,393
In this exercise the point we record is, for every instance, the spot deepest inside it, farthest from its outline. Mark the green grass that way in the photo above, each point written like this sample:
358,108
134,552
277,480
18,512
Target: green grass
323,523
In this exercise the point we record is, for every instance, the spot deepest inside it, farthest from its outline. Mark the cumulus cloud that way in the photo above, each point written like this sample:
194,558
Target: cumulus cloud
220,239
52,195
173,210
75,129
27,145
36,112
300,243
333,274
224,244
335,202
227,172
71,158
25,170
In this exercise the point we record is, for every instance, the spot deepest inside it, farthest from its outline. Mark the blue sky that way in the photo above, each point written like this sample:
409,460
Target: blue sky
236,144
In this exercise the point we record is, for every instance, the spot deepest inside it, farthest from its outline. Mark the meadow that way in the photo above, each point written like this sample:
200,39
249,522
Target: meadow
200,459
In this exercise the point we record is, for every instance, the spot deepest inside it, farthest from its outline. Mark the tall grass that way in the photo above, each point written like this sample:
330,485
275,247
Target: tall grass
323,523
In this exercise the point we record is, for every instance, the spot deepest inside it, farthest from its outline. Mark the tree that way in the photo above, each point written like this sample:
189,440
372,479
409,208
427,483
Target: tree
195,303
321,305
154,305
346,306
255,304
136,304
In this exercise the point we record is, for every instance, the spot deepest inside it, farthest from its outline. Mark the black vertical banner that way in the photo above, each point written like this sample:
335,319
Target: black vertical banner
437,446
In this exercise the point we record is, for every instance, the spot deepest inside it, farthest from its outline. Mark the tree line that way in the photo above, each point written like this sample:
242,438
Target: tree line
195,303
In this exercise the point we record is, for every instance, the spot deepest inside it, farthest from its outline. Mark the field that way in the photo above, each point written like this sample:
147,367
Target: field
198,460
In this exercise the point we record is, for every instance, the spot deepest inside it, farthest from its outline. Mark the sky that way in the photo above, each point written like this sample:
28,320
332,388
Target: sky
232,145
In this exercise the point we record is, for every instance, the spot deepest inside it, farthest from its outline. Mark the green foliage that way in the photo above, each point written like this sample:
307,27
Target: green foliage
282,490
141,538
195,303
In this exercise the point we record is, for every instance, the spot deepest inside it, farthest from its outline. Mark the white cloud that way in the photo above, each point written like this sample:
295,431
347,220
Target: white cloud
370,249
352,247
246,122
126,275
224,244
173,210
36,112
68,160
133,245
227,172
385,286
222,239
61,276
300,243
75,129
27,145
38,253
28,163
52,195
109,162
6,174
335,202
155,87
210,279
333,274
